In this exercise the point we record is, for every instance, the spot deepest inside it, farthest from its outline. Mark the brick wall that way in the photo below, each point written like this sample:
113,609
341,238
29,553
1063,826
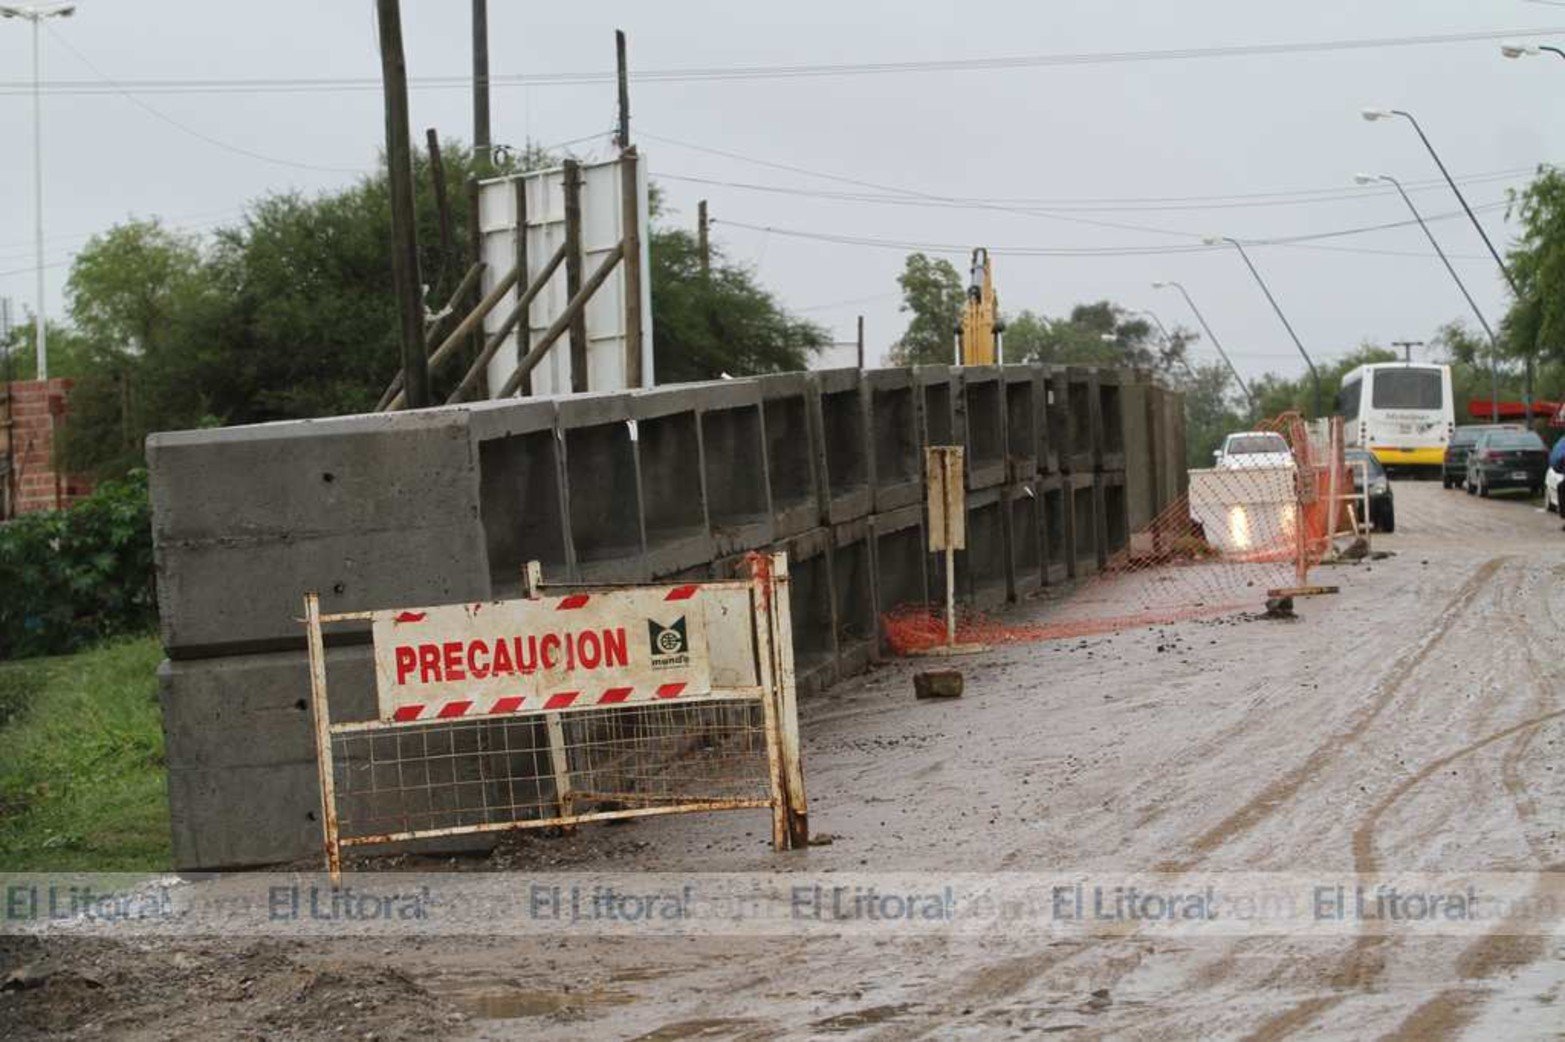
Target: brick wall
38,410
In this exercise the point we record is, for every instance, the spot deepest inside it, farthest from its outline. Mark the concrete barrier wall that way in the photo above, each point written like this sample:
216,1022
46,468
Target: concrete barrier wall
448,504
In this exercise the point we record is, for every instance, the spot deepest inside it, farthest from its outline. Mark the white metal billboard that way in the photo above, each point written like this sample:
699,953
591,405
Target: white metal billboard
602,228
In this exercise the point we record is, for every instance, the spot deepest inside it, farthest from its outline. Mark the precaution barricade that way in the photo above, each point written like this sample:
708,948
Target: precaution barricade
590,704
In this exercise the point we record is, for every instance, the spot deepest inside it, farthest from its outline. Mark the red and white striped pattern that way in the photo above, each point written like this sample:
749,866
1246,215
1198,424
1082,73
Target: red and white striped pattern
513,704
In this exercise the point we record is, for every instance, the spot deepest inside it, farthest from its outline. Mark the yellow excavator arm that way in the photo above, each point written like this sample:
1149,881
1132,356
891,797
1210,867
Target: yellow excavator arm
979,334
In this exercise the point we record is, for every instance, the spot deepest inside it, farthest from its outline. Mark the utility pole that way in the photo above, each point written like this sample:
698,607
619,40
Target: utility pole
36,14
481,141
1407,348
702,241
622,134
404,234
861,343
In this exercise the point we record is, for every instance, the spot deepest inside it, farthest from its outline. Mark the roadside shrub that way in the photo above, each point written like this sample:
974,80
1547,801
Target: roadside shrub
71,577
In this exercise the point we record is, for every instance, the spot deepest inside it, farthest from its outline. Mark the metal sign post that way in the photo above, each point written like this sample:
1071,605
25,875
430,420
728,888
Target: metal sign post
947,506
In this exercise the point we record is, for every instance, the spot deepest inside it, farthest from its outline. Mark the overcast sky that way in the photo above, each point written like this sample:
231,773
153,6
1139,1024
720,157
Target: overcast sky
1056,144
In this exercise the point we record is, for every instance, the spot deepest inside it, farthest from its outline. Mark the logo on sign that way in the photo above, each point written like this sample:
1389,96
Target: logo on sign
670,647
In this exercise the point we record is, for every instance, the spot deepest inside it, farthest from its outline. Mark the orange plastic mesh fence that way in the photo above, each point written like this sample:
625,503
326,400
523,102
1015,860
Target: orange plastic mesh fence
1257,521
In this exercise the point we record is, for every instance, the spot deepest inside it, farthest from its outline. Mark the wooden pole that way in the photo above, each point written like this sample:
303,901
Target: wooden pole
524,302
861,342
622,135
630,218
475,245
573,264
702,240
482,148
437,179
404,234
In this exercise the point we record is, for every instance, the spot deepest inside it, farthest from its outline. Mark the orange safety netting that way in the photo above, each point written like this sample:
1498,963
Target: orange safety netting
1258,522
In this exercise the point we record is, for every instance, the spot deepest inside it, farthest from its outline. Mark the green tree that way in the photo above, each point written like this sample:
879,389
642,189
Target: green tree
1536,319
932,295
1275,395
1211,411
1100,333
710,323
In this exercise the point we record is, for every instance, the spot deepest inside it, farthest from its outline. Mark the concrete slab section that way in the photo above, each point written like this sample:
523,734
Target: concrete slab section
894,431
792,471
936,389
1024,538
812,603
370,511
842,445
603,489
734,462
853,590
981,418
1023,437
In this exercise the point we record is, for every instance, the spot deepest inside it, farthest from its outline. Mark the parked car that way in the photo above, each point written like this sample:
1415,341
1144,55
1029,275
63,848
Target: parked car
1253,449
1453,471
1555,475
1506,459
1382,510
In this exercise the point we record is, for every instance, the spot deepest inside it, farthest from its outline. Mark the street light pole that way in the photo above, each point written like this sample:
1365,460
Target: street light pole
1494,346
1377,114
1314,373
1215,342
36,15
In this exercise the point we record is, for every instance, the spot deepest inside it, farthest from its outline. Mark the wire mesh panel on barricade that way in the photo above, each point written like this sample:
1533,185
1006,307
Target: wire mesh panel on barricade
1251,526
556,710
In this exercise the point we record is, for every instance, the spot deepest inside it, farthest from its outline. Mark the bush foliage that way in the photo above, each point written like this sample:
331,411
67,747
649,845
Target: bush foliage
74,576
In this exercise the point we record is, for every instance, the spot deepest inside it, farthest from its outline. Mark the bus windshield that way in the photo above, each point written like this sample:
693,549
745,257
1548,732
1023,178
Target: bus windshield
1407,389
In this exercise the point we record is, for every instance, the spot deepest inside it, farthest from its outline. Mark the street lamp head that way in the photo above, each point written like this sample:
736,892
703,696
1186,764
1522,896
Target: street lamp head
1365,179
1214,240
1161,285
1373,114
1516,50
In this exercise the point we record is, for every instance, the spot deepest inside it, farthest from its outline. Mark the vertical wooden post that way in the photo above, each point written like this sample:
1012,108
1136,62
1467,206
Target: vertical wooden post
630,219
861,343
622,134
437,180
523,280
475,245
404,233
482,146
573,262
703,243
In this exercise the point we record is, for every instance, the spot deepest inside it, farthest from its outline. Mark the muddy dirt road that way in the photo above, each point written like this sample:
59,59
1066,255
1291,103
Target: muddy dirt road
1413,722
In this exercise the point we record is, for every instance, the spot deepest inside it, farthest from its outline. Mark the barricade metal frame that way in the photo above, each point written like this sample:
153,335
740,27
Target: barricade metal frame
771,636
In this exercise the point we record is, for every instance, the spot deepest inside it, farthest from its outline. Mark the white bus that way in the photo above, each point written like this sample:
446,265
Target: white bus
1402,413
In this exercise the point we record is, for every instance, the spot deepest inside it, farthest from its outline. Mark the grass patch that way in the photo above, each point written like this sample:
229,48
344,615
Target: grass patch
82,782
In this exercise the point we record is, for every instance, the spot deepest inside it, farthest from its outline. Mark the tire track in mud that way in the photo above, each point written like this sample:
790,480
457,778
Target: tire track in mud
1278,792
1452,1009
1009,977
1448,1011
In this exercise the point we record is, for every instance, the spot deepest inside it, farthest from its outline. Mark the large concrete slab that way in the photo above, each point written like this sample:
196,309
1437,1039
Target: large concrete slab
369,511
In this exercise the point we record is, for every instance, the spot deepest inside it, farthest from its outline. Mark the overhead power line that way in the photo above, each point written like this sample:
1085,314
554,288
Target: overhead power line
1097,251
1306,197
792,71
